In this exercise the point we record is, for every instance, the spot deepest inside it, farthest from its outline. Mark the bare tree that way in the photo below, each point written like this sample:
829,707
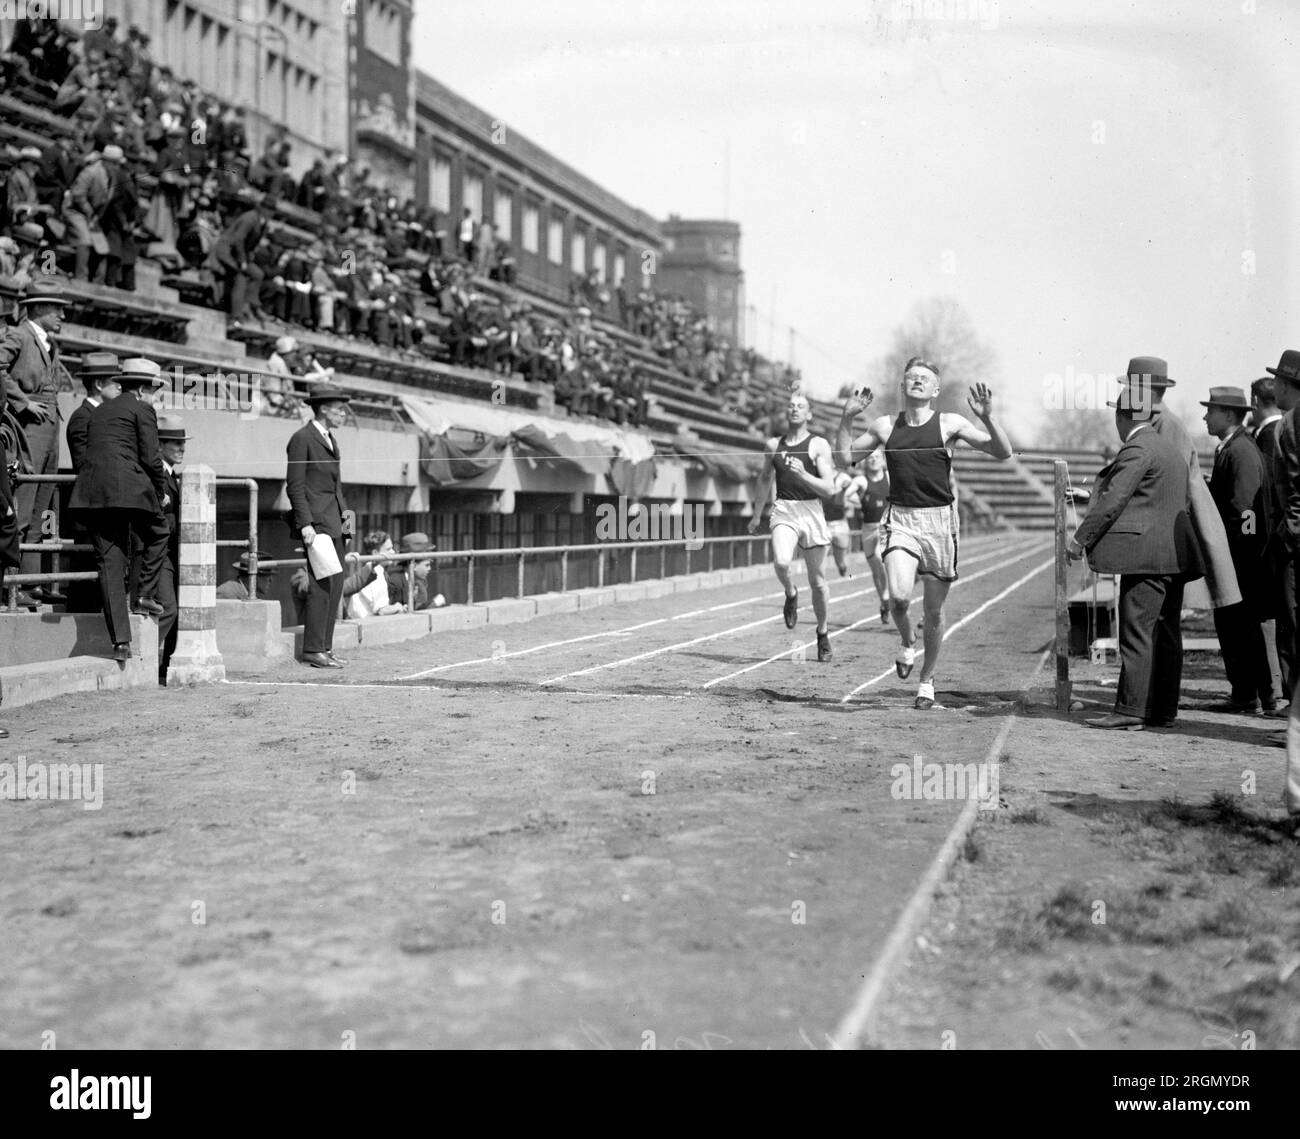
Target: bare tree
940,330
1077,430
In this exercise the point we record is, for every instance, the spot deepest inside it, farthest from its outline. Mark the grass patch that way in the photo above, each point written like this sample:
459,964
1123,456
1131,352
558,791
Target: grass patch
1030,816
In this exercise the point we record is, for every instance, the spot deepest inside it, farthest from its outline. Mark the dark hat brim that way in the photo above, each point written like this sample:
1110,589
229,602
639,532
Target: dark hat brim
44,299
1221,403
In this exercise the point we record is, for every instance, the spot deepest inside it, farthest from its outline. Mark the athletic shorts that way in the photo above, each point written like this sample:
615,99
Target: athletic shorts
870,538
928,533
804,516
841,535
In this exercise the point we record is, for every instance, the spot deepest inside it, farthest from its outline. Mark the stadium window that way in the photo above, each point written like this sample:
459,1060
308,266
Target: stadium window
472,195
440,182
620,268
503,211
532,219
555,241
578,249
598,260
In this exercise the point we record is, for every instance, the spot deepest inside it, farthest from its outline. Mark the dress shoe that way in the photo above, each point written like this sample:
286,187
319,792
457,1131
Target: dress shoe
147,607
1117,722
319,660
1278,711
26,601
1230,708
50,596
4,733
1161,722
336,660
122,650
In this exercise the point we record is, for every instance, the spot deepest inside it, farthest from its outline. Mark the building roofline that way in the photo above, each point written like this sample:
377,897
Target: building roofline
476,122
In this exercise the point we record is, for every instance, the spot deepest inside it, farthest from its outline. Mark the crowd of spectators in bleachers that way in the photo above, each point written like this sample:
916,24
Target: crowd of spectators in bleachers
151,162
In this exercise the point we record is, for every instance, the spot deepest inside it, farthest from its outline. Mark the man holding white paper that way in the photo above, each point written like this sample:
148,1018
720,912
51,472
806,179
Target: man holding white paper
315,492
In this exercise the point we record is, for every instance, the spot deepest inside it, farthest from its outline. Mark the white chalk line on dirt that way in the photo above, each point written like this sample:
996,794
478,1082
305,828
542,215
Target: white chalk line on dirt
786,654
621,662
953,628
858,1019
626,629
391,686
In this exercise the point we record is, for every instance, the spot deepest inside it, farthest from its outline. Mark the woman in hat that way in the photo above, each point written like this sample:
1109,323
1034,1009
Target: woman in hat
121,490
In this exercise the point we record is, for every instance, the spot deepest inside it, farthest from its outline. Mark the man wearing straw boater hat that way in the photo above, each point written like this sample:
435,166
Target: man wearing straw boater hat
31,371
121,490
1240,489
315,492
1138,526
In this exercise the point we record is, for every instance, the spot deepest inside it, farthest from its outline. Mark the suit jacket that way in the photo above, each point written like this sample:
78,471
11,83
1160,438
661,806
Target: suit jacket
30,375
78,425
1138,520
234,248
172,512
1215,556
313,483
121,467
1239,486
91,189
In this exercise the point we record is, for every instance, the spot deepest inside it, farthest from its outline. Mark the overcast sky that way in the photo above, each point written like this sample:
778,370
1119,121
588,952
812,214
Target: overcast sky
1088,179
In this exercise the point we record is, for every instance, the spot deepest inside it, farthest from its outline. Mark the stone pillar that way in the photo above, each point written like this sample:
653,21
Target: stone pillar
196,659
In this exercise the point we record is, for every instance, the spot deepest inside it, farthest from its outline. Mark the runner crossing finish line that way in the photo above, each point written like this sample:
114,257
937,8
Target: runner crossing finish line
920,526
800,464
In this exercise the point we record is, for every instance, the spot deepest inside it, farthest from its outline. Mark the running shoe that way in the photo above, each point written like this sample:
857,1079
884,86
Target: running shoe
925,696
791,610
823,647
904,661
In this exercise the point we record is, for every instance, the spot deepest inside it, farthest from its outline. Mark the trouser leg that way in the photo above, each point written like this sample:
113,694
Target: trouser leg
111,538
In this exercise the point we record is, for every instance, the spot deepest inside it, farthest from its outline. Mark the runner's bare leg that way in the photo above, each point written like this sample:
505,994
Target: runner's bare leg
785,540
900,571
815,559
936,593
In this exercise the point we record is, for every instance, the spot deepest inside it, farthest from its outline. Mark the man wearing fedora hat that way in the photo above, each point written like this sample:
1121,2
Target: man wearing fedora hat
99,376
172,438
236,589
1147,380
1287,374
121,490
408,582
315,491
1138,526
31,371
1239,486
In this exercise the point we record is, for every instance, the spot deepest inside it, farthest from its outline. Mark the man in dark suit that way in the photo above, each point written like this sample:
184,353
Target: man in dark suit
1287,374
171,443
315,491
1239,486
1138,526
99,376
29,363
231,260
121,490
1266,422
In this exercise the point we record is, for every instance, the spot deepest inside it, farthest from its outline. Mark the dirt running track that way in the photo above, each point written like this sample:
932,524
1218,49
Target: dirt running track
569,833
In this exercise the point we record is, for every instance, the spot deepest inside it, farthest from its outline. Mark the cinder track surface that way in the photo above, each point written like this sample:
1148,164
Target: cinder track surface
566,833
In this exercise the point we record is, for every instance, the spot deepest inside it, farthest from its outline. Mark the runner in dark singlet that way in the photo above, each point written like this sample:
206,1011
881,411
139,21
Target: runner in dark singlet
920,523
871,493
799,463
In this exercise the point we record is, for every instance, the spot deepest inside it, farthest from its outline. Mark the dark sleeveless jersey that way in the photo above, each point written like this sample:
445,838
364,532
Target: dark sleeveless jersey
786,487
920,468
874,500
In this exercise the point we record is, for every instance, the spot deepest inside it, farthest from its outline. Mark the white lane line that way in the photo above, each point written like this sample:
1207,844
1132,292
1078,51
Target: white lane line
701,640
849,628
625,629
953,628
388,687
858,1019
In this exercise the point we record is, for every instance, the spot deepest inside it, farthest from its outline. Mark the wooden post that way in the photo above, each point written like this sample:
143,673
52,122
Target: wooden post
197,659
1061,481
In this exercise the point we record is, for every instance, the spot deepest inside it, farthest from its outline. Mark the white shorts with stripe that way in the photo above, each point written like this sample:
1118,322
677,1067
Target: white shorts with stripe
805,517
928,533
